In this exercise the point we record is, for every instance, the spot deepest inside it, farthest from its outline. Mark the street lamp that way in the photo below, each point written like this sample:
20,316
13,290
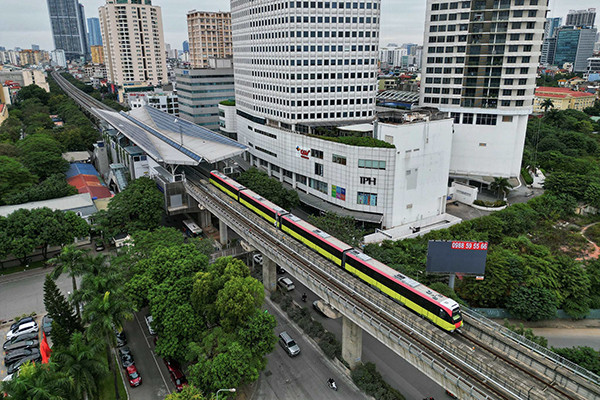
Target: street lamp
224,390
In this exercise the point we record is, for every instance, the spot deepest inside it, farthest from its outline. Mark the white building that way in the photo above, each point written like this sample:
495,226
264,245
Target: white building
58,58
133,40
159,99
480,61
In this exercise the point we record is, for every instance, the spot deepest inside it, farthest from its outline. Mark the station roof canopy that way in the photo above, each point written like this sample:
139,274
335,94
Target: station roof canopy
170,139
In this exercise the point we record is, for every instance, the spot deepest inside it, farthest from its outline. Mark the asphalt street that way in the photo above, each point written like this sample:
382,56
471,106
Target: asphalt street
401,375
156,384
303,376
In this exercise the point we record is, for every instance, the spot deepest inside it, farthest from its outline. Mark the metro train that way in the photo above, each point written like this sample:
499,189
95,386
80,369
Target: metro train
439,309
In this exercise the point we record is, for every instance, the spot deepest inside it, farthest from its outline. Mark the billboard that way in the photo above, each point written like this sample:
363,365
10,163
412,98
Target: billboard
456,256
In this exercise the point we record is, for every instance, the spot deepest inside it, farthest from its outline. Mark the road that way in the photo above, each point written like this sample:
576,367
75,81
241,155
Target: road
156,384
401,375
561,337
301,377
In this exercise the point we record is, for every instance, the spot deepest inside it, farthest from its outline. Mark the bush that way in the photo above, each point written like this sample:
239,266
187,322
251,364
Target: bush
369,380
315,330
527,333
276,296
330,346
526,177
532,303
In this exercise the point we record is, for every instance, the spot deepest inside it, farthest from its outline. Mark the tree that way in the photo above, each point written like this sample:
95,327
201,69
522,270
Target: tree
237,300
546,104
33,92
138,207
82,361
189,392
105,313
500,186
269,188
342,227
42,155
53,187
14,178
583,356
62,314
532,303
39,382
70,262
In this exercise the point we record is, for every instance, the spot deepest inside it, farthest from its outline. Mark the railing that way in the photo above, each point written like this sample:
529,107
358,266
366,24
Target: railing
533,346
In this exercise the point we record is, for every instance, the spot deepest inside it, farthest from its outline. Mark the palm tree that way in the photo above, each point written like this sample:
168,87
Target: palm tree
69,261
40,382
82,360
546,104
105,313
500,185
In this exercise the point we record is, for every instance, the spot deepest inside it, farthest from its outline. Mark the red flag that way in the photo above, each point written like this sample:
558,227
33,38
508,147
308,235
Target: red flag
45,349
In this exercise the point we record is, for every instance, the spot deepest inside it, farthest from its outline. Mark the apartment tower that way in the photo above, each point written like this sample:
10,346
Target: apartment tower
581,18
134,47
67,20
479,63
209,36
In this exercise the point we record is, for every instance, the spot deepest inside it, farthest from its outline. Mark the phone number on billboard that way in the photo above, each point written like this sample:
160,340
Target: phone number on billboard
469,245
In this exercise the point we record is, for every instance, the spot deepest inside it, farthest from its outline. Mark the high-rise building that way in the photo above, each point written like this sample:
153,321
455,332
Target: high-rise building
575,46
94,33
134,47
581,18
58,58
97,54
201,106
548,50
185,46
68,28
480,62
209,36
552,24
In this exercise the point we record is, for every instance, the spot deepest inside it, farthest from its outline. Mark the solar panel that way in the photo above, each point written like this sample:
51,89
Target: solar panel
167,122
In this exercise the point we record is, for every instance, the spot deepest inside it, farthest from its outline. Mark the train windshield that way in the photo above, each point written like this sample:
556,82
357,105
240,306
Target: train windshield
456,315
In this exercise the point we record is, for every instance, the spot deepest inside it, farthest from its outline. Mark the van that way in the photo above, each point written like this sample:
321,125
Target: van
286,284
28,327
288,344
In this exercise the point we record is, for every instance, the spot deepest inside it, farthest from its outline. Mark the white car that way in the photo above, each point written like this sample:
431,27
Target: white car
149,323
29,327
258,258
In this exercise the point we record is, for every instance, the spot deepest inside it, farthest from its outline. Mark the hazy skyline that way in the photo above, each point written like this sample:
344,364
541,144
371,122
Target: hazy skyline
23,23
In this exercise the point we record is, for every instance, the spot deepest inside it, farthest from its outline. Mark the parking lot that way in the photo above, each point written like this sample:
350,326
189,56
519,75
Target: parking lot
3,331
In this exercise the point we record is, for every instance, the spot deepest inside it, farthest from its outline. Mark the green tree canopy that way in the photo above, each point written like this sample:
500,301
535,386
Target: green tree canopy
271,189
14,178
42,155
532,303
343,228
40,382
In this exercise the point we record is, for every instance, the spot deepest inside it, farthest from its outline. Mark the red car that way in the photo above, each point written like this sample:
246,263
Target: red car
178,379
135,379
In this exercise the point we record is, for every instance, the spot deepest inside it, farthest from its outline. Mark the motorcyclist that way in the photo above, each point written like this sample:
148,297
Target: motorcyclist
304,297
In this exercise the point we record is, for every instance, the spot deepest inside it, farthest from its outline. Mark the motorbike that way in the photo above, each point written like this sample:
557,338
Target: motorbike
332,385
304,297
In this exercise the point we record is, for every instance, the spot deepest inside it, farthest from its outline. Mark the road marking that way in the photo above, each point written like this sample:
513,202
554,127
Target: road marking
152,353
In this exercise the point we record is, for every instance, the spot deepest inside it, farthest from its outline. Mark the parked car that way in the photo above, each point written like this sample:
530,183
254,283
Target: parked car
20,338
286,284
178,378
28,327
47,324
24,344
135,379
149,323
121,338
16,355
124,351
21,322
258,258
172,365
127,360
14,367
99,246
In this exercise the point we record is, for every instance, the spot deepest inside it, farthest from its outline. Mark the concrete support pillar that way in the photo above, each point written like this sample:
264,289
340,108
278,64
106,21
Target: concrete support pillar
223,232
204,218
351,342
269,274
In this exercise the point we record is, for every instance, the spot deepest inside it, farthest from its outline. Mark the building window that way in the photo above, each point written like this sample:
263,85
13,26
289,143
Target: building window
369,199
266,151
507,118
301,179
456,117
467,118
367,180
371,164
486,119
316,153
318,185
339,159
318,169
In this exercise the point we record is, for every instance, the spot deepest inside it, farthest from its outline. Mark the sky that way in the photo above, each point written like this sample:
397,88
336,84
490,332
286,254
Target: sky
26,22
